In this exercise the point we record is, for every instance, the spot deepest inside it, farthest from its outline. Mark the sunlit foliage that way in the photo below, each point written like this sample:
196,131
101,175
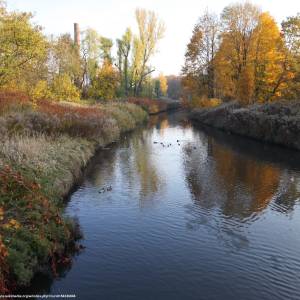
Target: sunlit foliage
252,60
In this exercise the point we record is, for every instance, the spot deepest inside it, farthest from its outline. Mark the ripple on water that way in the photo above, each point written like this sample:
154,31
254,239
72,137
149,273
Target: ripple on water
214,218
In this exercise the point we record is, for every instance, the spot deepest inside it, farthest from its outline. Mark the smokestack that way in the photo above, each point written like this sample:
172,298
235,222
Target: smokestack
76,35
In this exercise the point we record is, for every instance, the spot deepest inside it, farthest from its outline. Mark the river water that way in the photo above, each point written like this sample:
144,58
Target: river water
213,216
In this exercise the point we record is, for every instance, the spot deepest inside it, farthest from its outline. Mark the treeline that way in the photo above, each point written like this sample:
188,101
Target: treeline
61,69
243,55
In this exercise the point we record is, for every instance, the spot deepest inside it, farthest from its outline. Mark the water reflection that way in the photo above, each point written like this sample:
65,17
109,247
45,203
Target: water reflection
221,210
232,179
232,186
130,161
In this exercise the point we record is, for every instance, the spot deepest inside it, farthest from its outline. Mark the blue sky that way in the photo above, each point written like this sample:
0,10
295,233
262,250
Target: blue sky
111,17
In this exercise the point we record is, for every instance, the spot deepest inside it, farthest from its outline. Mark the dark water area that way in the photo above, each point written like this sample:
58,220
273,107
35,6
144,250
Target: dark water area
212,217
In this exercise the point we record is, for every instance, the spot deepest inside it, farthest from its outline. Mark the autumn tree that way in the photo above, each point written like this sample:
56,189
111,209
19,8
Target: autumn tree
124,47
105,83
163,84
271,70
193,81
291,32
235,62
199,68
65,58
97,59
23,50
151,31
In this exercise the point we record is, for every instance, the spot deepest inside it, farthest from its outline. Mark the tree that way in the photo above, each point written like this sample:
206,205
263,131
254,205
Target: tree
193,81
291,32
106,82
23,48
251,62
66,59
201,51
151,30
270,60
96,51
163,85
124,47
239,23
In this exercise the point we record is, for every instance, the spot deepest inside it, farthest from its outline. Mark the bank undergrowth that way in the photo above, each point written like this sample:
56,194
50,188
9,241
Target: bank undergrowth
44,147
277,122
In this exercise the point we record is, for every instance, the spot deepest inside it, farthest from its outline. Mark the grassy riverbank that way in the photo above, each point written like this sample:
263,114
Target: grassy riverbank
44,147
277,122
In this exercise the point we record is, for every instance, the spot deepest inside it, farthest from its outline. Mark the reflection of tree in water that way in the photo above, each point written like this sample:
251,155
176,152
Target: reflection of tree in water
138,168
249,185
101,168
231,189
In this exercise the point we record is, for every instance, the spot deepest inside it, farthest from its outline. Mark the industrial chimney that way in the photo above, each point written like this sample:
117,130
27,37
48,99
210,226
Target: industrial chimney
76,35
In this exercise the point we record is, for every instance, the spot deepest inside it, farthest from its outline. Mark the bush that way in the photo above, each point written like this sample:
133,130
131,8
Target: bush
62,89
41,91
33,229
203,102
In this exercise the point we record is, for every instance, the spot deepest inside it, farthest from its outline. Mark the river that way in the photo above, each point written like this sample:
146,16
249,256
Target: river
213,216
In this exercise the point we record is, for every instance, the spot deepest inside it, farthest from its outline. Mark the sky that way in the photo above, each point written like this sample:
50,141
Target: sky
111,17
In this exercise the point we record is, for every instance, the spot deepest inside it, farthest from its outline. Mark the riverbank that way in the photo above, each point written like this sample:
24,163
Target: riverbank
44,148
277,122
156,106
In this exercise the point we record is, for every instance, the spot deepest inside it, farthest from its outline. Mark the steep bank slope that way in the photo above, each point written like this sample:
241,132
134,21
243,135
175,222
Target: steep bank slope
276,122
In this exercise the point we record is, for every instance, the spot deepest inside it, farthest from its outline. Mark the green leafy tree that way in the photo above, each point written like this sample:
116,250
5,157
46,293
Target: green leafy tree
124,47
23,47
66,59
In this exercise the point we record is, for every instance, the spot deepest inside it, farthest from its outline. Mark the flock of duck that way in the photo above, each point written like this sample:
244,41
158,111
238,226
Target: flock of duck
170,145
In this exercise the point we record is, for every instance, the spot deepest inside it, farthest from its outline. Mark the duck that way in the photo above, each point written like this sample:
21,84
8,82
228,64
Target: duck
109,189
102,190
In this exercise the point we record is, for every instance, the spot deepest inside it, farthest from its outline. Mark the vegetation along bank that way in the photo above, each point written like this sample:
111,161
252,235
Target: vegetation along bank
44,147
277,122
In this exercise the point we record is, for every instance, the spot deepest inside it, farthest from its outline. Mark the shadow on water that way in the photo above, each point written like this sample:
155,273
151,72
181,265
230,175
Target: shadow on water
185,200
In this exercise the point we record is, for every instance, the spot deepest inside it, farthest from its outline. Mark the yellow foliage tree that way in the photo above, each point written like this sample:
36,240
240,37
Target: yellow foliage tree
163,84
251,63
106,82
269,59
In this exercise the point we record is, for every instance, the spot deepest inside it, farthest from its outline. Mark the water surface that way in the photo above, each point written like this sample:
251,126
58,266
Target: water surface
211,217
